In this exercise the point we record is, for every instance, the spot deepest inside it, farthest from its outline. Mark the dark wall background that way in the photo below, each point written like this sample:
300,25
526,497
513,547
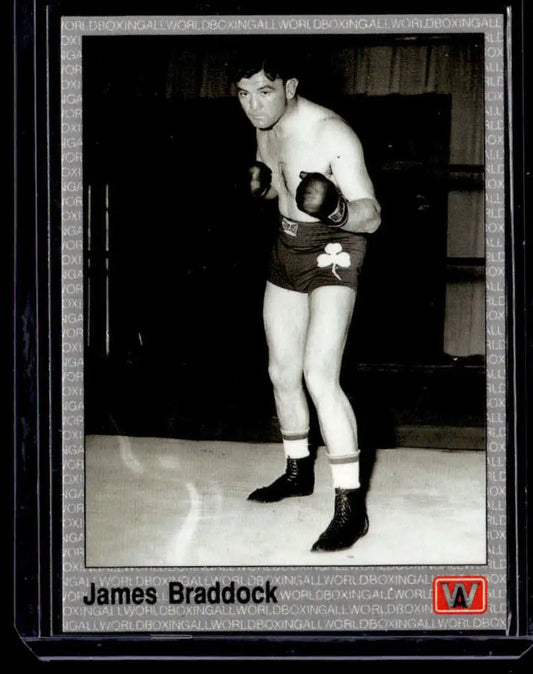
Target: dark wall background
175,344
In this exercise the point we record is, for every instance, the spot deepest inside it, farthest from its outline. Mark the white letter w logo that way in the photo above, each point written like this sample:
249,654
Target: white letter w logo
459,597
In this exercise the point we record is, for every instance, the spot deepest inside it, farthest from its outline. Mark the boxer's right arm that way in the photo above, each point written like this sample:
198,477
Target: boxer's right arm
260,179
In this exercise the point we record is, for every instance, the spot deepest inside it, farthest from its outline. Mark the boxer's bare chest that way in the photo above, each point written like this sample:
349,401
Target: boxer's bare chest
288,154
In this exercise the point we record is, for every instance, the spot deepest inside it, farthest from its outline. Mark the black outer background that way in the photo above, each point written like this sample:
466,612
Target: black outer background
37,384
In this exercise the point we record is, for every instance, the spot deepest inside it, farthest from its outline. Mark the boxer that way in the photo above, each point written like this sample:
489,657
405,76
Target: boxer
312,162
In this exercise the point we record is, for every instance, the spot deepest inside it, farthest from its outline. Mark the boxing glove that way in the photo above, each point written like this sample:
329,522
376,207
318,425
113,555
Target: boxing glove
260,179
318,196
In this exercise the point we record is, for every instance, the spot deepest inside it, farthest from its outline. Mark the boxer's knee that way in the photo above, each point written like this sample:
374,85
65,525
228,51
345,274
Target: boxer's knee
285,378
321,380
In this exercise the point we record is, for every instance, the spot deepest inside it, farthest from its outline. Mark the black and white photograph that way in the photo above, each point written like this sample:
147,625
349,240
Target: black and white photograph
284,261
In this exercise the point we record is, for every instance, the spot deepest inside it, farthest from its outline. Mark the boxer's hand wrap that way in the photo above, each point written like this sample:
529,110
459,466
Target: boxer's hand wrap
260,179
318,196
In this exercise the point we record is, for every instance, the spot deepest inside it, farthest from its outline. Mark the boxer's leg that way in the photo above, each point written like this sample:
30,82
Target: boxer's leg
331,310
286,314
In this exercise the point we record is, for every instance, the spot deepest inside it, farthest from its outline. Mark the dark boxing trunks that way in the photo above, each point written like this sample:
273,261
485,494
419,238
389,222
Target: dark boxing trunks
308,255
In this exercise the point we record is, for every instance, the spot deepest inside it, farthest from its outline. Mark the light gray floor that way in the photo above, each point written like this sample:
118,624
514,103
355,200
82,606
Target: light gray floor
163,502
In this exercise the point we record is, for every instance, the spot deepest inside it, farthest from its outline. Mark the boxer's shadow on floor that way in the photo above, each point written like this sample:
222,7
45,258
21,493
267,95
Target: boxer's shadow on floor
375,428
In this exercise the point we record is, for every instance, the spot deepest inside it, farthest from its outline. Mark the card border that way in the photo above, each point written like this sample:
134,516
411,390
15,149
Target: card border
38,369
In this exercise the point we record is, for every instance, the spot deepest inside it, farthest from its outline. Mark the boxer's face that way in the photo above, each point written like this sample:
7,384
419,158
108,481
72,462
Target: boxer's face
264,101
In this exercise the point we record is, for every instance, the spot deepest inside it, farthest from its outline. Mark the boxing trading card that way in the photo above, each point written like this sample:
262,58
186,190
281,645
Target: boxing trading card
274,394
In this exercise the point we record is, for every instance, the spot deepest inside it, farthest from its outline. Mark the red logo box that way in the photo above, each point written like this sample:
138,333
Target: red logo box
459,594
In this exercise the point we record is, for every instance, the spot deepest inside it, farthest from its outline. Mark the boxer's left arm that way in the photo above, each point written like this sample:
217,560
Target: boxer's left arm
349,172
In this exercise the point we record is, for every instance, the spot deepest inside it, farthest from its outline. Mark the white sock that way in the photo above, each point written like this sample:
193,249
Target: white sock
345,470
295,445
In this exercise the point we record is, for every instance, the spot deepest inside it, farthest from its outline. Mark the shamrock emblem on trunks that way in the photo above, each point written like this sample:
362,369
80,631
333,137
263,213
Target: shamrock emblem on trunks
335,257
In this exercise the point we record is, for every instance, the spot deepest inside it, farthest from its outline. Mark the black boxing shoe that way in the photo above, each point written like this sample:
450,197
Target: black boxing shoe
298,480
349,523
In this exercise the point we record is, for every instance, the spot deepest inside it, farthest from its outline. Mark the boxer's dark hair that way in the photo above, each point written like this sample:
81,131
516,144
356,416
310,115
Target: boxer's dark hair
275,64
